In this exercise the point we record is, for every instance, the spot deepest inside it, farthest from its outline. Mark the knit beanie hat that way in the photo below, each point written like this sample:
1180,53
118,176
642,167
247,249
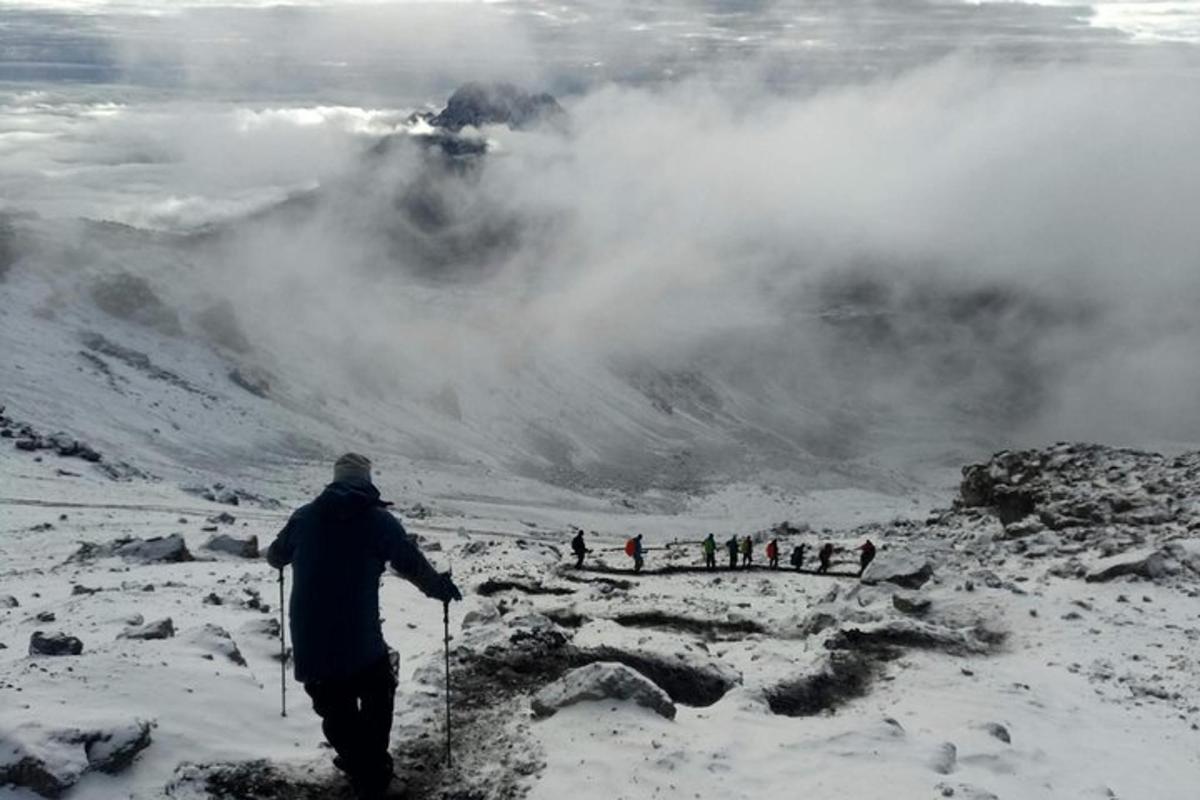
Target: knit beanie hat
352,468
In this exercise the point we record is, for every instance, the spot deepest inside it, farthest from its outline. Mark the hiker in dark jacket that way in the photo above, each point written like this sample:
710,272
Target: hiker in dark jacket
732,547
824,555
579,549
867,556
338,546
798,557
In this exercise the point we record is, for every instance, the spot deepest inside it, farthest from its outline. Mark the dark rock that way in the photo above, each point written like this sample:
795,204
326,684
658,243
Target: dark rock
224,518
913,606
253,381
157,550
80,589
55,644
216,640
477,104
8,601
242,548
45,616
159,629
113,750
998,731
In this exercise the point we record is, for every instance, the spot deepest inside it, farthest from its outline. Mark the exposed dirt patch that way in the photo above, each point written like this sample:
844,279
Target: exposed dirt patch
712,630
857,657
615,583
255,780
492,586
844,677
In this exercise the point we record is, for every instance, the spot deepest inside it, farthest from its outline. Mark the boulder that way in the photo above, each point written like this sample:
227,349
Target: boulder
113,749
912,605
157,550
54,644
602,681
159,629
49,761
8,601
234,546
216,641
903,569
1152,567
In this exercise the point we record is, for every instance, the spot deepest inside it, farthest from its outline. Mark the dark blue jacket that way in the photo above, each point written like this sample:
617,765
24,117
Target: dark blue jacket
338,546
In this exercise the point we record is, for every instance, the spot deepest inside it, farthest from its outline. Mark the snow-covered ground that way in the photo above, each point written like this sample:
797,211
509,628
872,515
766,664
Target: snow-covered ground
1021,679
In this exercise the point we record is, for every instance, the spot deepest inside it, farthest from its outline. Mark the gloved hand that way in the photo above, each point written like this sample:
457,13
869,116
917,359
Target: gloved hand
443,589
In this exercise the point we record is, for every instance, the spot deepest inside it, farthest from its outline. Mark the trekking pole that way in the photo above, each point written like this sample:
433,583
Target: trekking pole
446,626
282,650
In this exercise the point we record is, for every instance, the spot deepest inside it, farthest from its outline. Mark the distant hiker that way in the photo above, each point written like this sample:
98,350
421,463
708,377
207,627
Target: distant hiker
579,549
338,546
798,557
824,555
634,548
747,551
773,553
732,547
868,555
709,546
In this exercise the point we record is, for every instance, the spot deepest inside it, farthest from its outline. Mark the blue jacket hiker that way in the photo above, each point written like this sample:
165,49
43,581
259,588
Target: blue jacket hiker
338,546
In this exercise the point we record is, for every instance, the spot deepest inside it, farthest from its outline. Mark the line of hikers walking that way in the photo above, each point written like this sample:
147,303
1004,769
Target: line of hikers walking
740,551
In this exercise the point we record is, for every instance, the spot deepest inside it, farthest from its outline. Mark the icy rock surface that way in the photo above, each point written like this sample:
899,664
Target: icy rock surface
602,681
49,761
901,568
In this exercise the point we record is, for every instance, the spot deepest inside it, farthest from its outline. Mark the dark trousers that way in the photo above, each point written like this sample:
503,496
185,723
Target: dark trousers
774,562
745,559
710,560
732,559
579,560
637,563
356,716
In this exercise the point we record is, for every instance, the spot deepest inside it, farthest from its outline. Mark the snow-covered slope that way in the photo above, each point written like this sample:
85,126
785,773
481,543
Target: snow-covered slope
1022,666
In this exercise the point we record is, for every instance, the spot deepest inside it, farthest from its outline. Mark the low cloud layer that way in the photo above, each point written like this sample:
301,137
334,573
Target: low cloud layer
697,277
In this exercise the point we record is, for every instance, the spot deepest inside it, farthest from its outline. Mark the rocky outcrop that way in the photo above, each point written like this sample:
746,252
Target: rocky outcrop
478,104
602,681
1078,485
156,550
